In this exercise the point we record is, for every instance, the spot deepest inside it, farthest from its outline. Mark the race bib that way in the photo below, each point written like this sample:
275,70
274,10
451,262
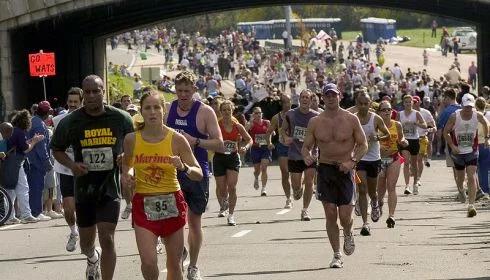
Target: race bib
465,140
230,147
299,133
409,129
160,207
261,139
98,159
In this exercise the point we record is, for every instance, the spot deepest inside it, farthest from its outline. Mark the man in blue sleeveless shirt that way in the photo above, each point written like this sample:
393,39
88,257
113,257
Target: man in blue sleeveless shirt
199,124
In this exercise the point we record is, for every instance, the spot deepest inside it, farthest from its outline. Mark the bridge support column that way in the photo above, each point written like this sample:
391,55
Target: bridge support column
6,88
100,62
483,54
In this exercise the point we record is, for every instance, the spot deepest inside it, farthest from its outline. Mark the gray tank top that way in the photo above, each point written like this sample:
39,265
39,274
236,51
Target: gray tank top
298,122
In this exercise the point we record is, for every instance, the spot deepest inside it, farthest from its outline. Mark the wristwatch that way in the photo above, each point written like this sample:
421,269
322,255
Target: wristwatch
354,160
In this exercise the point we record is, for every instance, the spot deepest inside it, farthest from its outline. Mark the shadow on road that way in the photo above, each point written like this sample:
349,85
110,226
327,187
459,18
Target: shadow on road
266,272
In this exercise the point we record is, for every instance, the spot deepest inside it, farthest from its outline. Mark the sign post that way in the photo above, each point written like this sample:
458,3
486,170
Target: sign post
41,65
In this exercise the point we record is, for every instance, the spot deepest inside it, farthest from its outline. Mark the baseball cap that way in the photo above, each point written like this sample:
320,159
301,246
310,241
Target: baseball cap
427,99
43,107
132,107
416,99
468,100
330,87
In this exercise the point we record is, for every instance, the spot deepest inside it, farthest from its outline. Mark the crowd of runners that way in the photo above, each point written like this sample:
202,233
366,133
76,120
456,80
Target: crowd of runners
340,131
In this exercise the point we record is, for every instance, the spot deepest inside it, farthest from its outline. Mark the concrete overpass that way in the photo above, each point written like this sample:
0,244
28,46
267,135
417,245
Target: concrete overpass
76,30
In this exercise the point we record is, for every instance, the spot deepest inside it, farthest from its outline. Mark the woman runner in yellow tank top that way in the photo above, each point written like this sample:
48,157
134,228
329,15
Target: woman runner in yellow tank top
156,152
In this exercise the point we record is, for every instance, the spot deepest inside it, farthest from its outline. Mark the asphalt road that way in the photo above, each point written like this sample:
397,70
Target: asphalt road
432,239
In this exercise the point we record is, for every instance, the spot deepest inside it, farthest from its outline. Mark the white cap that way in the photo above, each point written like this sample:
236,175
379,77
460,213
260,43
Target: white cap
468,100
132,107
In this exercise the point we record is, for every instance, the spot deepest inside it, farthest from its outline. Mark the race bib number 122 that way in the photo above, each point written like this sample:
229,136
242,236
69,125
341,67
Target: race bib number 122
98,159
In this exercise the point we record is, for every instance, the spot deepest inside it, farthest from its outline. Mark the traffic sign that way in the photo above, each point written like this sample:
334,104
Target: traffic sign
42,64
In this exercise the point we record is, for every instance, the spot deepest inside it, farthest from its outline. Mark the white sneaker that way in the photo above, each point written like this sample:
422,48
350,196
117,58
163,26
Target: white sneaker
43,218
336,262
193,273
29,220
263,192
53,215
407,190
416,189
71,245
127,211
93,269
12,221
160,246
471,211
289,204
256,183
221,213
231,220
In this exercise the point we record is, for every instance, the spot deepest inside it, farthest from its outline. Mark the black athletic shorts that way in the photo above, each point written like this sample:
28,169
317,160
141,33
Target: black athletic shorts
196,194
413,146
298,166
372,168
93,212
67,185
223,162
334,186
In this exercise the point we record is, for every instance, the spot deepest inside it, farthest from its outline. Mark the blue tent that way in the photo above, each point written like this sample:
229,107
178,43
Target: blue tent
375,28
261,29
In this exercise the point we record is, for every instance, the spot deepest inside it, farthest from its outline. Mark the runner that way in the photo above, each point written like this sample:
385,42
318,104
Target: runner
342,142
227,164
295,131
156,152
282,148
410,120
369,166
390,162
199,125
261,148
461,136
95,132
65,176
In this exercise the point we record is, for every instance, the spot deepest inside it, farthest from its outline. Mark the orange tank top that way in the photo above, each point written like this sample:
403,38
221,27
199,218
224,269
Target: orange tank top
230,139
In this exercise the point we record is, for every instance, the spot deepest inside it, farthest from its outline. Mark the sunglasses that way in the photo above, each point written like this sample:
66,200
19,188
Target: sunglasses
385,110
257,112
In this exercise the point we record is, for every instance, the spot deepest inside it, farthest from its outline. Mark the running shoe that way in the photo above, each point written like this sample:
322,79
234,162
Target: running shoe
185,253
231,220
357,208
71,245
305,216
226,205
43,218
462,196
336,262
407,190
427,163
160,247
471,211
193,273
366,230
479,195
349,245
289,204
12,221
416,189
390,222
221,213
53,215
263,192
375,211
380,204
29,220
93,269
298,193
127,211
256,184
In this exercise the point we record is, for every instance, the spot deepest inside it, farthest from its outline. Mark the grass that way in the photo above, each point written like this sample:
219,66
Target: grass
419,37
119,86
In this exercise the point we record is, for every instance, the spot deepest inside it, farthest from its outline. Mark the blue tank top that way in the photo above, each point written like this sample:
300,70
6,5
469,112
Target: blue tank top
188,125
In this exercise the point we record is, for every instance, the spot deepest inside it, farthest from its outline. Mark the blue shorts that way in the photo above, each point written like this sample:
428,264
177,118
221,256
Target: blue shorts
282,150
334,186
196,193
257,154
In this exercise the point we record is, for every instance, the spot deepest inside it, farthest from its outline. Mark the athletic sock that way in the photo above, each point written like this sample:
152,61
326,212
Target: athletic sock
337,255
74,230
94,258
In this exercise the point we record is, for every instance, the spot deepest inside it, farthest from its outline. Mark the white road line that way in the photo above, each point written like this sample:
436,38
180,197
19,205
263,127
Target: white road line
132,62
283,211
11,226
242,233
186,263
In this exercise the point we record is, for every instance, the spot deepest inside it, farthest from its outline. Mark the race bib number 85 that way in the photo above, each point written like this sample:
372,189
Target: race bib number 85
98,159
160,207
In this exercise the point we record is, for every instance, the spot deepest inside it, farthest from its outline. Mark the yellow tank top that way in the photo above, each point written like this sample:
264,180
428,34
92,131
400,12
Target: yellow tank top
392,143
152,167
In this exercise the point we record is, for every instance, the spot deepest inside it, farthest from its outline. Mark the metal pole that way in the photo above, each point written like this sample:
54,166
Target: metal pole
44,86
288,12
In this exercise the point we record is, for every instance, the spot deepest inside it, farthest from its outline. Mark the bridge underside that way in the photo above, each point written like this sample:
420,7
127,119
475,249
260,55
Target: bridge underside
77,38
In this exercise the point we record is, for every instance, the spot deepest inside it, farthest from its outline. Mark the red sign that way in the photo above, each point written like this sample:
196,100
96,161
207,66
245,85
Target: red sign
42,64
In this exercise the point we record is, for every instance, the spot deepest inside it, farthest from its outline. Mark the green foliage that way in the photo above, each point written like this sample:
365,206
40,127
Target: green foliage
119,86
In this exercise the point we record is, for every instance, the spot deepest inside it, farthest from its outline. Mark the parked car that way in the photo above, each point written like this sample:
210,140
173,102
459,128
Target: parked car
466,37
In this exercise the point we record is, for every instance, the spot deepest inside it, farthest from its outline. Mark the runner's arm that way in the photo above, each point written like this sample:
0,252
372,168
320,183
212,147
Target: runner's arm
187,158
447,130
361,145
246,138
272,128
215,139
484,123
420,120
382,127
309,142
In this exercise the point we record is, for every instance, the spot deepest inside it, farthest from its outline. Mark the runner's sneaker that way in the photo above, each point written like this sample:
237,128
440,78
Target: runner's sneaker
380,204
226,205
160,246
263,192
416,189
349,245
71,245
29,220
357,208
53,215
256,183
231,220
127,211
12,221
221,213
193,273
184,256
407,190
336,261
479,195
298,193
305,216
289,204
427,163
93,269
374,211
390,222
43,218
366,230
471,211
462,197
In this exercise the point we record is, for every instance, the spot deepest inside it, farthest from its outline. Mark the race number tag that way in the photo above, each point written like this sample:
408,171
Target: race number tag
98,159
299,133
465,140
261,139
160,207
230,147
409,129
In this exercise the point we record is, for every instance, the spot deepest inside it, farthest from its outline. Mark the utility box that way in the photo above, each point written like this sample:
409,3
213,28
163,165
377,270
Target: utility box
150,73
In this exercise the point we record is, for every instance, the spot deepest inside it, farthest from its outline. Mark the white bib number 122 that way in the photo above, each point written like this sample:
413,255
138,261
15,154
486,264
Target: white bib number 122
98,159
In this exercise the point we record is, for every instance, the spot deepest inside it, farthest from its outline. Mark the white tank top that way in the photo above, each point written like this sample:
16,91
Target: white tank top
464,136
373,153
409,124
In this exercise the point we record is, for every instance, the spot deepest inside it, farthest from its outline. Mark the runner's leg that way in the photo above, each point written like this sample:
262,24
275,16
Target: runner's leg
195,236
231,182
146,242
108,256
174,245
